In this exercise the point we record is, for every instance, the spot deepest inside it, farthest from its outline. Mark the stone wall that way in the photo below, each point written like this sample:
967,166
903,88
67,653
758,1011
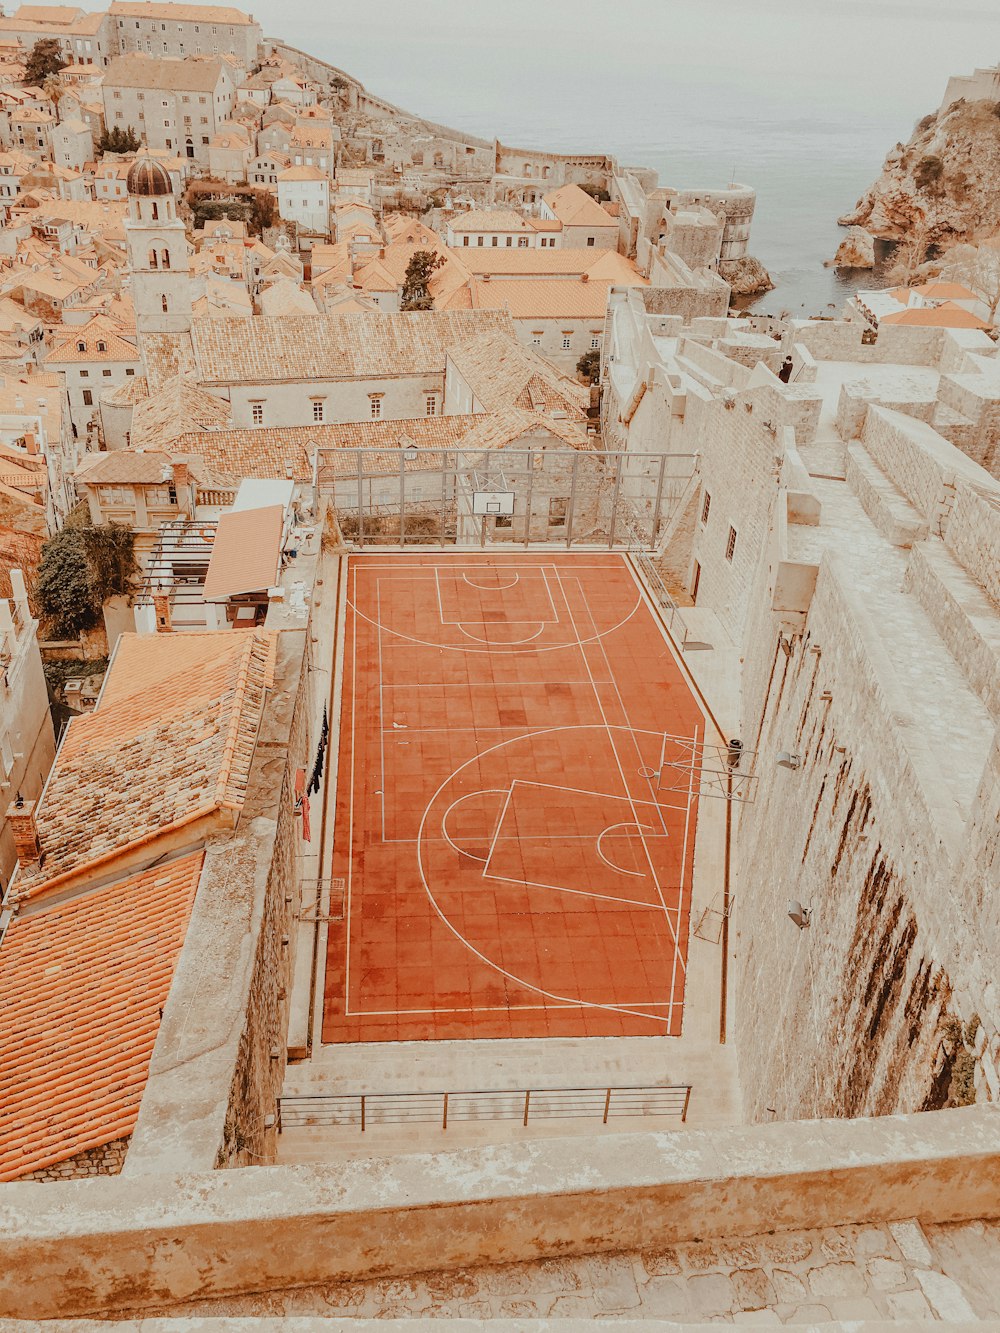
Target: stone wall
212,1080
856,998
260,1062
840,340
140,1243
107,1160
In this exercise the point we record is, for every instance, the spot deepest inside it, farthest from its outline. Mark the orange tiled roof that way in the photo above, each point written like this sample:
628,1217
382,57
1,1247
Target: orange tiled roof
169,743
576,208
82,984
948,315
246,553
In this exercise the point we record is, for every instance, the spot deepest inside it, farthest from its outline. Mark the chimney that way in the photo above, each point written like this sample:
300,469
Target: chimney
584,277
161,611
21,816
30,443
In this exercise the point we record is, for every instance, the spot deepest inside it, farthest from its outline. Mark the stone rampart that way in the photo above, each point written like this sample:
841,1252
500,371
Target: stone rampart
94,1246
219,1056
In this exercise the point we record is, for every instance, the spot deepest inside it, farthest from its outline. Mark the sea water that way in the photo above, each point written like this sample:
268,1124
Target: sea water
799,98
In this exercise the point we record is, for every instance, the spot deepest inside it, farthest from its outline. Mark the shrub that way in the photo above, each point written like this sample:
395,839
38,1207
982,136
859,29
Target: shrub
80,569
117,140
597,192
928,173
589,366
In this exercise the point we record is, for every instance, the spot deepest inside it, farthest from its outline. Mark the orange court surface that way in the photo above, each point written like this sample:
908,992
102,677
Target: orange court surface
516,804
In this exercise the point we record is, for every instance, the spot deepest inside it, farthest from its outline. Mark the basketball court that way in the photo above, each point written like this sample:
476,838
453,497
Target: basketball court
517,804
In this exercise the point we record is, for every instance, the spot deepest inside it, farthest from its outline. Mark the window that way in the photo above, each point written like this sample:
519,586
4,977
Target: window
156,211
731,544
165,258
522,242
102,346
510,240
257,413
164,303
591,240
558,509
430,405
706,507
567,343
129,370
82,346
88,398
85,374
376,409
106,374
465,240
317,409
595,344
496,240
536,340
153,261
479,240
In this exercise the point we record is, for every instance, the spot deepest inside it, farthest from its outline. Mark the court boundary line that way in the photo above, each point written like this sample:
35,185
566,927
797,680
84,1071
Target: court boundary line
570,1003
528,620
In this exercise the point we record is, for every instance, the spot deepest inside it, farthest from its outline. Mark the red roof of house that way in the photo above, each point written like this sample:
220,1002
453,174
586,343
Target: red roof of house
82,985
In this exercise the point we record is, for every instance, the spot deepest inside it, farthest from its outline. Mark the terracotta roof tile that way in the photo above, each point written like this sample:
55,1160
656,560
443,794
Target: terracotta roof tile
82,985
576,208
337,346
502,374
246,553
170,742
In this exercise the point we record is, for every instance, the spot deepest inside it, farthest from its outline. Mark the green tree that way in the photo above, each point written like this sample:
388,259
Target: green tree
263,212
416,282
589,366
117,140
44,58
79,570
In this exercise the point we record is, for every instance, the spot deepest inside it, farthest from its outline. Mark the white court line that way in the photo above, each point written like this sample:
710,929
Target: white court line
474,684
381,705
620,869
461,647
514,1008
531,620
687,823
527,985
500,791
394,566
618,762
576,893
460,626
485,587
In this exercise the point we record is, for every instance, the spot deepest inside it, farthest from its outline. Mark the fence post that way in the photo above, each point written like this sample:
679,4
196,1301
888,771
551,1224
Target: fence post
361,500
362,1113
527,1103
444,1117
687,1103
607,1105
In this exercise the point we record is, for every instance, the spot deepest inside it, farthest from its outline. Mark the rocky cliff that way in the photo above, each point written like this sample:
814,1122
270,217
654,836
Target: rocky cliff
941,187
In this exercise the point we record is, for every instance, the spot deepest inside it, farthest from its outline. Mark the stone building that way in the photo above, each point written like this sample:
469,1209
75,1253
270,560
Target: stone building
27,745
172,104
85,38
158,253
297,370
181,31
92,359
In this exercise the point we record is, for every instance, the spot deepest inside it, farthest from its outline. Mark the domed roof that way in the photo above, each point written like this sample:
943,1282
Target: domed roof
147,177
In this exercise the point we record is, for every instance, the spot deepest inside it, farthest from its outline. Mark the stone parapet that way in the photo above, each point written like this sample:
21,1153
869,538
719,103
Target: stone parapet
102,1245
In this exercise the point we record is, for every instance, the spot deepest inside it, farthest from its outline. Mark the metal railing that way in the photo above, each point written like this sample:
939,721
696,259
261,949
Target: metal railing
363,1110
657,590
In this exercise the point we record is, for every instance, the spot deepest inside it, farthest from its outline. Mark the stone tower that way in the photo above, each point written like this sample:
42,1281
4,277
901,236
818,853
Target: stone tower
157,252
